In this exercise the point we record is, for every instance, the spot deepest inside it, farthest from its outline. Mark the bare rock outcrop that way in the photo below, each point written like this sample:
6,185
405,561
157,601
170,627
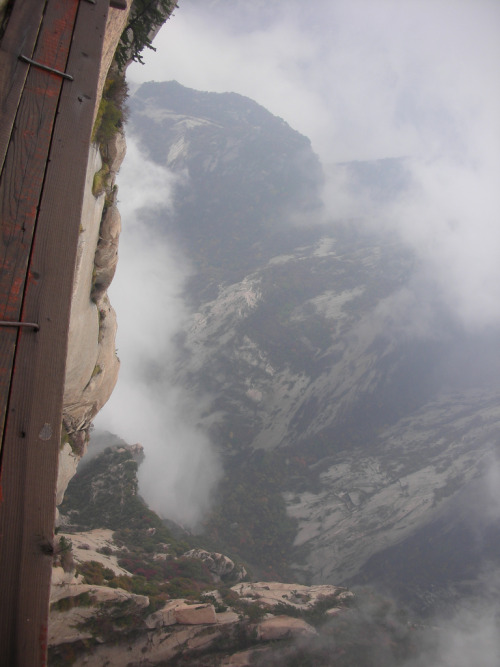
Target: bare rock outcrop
74,617
92,364
88,617
218,564
106,255
283,627
270,594
90,546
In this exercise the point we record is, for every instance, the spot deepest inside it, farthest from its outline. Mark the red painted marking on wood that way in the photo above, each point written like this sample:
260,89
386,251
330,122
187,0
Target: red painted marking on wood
24,22
43,640
23,171
53,89
53,51
16,286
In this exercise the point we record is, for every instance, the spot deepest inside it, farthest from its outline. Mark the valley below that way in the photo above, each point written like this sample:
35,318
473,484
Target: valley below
330,371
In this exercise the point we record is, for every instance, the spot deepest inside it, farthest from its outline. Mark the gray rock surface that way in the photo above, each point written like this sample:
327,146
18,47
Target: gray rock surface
219,565
408,478
92,364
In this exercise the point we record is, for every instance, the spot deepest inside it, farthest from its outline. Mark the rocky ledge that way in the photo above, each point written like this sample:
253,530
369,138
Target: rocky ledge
99,625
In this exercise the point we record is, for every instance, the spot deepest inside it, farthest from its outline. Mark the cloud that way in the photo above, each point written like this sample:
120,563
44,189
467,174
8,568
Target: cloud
180,468
451,216
362,79
368,80
470,637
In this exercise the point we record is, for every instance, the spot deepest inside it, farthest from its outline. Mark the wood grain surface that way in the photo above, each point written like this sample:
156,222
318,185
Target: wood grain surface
41,199
23,172
19,38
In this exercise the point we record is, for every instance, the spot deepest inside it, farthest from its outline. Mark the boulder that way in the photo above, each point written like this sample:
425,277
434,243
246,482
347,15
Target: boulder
177,611
200,614
219,565
164,616
283,627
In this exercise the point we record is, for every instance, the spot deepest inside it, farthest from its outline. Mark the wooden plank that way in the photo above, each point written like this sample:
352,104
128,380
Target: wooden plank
24,172
32,432
20,37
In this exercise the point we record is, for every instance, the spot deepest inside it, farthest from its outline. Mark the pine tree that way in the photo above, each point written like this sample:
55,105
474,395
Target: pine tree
145,19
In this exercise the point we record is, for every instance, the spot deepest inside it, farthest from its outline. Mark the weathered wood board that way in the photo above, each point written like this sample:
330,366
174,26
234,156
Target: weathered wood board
23,172
41,195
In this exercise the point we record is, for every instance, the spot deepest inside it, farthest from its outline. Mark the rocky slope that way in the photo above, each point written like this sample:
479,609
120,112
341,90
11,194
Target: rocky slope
321,352
130,592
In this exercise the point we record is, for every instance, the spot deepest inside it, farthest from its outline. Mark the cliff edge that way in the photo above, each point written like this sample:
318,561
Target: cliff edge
92,364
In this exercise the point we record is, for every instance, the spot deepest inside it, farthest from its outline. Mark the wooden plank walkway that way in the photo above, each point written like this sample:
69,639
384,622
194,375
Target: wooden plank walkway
45,128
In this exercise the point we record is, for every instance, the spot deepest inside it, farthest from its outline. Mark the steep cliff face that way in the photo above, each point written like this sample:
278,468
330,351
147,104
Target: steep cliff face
92,364
321,356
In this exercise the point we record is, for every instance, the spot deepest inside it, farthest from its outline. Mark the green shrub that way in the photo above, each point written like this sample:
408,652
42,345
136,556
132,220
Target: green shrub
145,17
94,573
63,554
100,180
112,112
72,601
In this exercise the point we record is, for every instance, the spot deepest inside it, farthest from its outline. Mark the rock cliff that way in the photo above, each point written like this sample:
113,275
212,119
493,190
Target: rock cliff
92,364
139,595
357,409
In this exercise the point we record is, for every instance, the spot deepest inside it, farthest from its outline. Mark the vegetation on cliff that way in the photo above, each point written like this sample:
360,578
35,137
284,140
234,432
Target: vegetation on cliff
364,630
249,517
145,19
103,494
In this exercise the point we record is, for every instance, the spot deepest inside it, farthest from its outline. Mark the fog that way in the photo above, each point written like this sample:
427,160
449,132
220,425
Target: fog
369,80
364,80
180,467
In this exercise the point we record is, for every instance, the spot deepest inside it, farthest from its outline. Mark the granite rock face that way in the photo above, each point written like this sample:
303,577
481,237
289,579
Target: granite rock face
92,364
179,628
